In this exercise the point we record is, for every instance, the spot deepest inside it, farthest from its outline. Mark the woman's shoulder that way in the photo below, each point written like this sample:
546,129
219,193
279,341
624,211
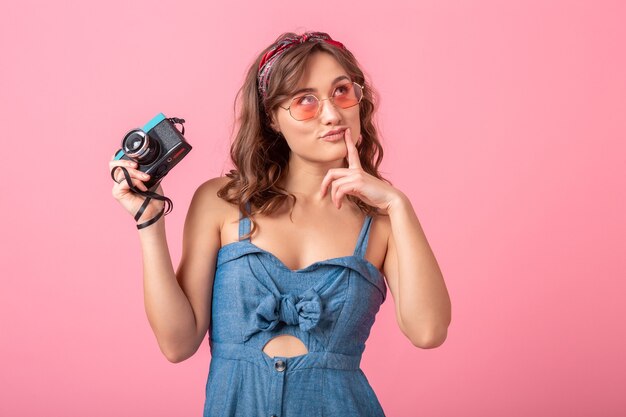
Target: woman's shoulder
220,215
207,204
209,188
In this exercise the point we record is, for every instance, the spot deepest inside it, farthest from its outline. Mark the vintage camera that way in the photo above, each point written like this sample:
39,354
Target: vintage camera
157,147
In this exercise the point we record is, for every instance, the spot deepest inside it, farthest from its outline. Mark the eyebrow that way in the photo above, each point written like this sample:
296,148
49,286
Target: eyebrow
314,90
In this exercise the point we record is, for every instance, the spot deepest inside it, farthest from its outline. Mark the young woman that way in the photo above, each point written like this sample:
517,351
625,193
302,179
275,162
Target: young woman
286,260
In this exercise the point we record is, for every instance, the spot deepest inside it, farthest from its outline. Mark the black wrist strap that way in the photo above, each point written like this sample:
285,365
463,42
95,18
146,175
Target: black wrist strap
176,120
167,207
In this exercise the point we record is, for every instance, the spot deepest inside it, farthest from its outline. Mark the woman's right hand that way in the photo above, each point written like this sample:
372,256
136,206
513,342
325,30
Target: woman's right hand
126,197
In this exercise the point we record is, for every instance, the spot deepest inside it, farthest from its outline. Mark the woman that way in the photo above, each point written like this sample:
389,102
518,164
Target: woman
283,258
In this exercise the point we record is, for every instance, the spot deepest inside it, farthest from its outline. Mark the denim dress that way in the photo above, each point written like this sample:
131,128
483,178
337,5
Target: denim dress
330,306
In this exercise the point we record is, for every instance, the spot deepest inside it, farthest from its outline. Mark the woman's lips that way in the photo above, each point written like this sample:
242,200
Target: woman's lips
335,137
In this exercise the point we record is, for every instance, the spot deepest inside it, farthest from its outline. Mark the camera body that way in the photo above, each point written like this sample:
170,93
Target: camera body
156,147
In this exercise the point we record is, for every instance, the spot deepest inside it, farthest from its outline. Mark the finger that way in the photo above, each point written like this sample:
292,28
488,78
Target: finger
332,175
138,184
133,173
334,186
123,185
122,163
353,153
346,189
338,186
141,186
114,167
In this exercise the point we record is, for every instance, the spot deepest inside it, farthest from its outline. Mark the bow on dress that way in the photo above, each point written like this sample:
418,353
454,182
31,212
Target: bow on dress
303,310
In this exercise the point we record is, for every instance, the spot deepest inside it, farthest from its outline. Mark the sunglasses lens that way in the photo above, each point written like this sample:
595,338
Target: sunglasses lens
348,95
304,107
345,96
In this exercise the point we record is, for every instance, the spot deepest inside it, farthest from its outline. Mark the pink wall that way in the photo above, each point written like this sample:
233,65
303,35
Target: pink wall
503,122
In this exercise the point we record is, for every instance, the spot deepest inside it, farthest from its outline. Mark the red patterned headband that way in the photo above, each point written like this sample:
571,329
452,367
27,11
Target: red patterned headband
271,56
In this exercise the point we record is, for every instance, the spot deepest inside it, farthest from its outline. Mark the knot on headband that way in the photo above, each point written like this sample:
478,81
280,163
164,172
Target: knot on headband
271,56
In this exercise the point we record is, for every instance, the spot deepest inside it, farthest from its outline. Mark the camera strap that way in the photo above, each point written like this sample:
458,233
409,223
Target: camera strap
176,120
167,207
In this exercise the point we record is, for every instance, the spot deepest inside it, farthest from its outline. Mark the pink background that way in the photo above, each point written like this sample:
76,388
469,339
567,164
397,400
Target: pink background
503,121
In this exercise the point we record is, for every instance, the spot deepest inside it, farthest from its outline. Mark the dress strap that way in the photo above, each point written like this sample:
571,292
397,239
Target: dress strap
361,244
244,223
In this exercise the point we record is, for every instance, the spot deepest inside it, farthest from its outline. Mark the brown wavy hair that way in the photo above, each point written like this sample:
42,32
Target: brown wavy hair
261,155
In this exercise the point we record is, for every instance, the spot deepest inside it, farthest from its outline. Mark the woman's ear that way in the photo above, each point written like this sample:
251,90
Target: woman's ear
274,123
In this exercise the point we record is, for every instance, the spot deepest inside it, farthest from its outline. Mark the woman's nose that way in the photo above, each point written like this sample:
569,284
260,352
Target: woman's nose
329,113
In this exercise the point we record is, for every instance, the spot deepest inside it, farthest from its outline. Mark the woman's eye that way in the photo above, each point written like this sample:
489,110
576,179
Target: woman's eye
305,100
341,90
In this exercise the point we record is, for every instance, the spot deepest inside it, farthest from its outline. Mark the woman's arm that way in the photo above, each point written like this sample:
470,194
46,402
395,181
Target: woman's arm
423,306
413,276
178,305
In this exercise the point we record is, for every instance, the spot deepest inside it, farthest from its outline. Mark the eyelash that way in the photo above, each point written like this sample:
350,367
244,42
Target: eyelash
303,96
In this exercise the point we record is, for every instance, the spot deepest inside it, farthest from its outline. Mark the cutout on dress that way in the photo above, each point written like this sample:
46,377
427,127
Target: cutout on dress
285,345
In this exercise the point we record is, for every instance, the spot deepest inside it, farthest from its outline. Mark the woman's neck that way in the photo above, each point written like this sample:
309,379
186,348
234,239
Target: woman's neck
304,178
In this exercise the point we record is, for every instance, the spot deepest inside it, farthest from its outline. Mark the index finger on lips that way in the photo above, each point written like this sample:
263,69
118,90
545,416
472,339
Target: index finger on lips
353,153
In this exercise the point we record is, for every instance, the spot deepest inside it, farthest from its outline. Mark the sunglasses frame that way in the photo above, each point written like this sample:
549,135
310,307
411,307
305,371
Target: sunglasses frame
319,103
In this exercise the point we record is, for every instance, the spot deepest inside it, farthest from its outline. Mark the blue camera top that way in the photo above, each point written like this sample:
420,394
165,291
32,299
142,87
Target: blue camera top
119,155
155,121
146,128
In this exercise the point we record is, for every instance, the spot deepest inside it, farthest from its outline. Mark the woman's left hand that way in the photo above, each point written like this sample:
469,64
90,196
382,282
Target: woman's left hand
354,181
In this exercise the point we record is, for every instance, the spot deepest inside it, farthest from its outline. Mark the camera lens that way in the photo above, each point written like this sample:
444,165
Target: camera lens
134,143
138,146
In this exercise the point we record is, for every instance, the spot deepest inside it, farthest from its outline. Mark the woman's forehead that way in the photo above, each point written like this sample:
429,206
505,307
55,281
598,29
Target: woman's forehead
322,71
311,88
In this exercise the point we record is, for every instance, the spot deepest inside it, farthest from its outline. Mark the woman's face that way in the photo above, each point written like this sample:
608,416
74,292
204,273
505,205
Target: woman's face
322,76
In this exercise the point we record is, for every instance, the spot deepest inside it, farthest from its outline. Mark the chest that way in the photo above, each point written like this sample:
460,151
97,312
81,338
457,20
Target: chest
303,240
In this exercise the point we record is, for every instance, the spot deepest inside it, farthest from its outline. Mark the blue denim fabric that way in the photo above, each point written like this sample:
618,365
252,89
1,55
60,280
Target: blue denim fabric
330,305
